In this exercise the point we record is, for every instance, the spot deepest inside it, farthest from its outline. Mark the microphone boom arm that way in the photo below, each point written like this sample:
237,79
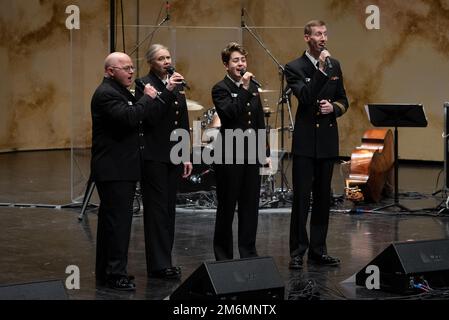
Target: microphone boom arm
284,99
281,68
167,18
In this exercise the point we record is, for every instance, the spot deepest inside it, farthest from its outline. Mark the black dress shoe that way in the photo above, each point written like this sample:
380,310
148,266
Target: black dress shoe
295,263
122,283
167,273
324,260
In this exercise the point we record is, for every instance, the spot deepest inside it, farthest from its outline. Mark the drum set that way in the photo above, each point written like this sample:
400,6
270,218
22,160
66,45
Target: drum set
198,191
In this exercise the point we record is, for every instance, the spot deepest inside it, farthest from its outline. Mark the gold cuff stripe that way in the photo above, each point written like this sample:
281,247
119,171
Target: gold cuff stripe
341,106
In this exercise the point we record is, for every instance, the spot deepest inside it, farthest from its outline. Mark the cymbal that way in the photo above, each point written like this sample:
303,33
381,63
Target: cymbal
266,90
193,106
267,110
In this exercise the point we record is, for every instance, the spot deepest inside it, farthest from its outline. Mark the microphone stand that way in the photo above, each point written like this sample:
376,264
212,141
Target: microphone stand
167,18
285,99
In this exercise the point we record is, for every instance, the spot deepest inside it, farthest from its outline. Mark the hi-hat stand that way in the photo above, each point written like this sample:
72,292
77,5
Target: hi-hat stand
283,101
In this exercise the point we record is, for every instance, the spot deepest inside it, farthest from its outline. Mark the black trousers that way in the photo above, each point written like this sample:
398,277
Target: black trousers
114,227
236,184
159,186
310,175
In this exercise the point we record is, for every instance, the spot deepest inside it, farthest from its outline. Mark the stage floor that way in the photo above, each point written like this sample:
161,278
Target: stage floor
39,243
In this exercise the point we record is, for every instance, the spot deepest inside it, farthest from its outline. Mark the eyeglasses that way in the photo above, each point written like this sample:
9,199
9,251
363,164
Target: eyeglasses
127,68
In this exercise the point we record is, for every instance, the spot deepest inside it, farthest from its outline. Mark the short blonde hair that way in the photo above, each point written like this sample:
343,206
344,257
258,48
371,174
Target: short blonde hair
151,53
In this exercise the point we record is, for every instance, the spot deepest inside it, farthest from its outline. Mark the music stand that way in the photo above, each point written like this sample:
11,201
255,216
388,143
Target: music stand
396,115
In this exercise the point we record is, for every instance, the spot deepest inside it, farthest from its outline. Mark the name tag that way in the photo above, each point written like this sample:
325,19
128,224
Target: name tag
234,95
308,80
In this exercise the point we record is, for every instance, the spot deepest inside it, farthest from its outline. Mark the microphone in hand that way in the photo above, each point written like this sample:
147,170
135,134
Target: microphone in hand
171,70
242,73
328,60
197,178
142,84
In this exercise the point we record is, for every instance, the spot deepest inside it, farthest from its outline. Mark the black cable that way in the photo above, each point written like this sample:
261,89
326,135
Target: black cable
137,36
304,288
115,26
112,26
123,25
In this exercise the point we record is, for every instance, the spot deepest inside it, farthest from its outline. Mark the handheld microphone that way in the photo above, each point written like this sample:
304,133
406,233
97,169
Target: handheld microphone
167,10
197,178
328,60
171,70
243,71
242,18
140,82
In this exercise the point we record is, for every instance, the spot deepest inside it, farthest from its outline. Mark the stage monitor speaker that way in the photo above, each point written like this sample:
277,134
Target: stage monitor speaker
401,265
446,143
244,279
42,290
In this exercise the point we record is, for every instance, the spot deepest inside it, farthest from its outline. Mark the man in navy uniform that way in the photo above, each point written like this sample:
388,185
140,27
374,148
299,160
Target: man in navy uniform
317,82
115,164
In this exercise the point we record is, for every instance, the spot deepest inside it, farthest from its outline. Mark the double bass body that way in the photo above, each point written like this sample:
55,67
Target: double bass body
372,163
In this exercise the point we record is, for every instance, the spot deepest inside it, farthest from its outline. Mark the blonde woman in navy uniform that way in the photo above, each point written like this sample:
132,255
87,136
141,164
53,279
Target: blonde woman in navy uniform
160,175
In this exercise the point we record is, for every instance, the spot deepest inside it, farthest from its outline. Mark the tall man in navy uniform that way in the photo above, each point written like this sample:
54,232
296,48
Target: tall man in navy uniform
317,82
160,175
237,101
115,164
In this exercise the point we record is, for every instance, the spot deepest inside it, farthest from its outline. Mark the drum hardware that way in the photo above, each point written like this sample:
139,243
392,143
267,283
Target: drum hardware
266,90
270,196
193,105
267,112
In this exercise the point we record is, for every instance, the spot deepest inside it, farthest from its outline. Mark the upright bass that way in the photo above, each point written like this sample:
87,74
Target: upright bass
371,169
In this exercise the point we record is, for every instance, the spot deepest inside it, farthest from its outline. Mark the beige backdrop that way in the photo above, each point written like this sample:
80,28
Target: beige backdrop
50,72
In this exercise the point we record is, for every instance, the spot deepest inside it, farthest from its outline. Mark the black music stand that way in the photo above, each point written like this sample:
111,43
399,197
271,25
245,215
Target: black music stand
396,115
